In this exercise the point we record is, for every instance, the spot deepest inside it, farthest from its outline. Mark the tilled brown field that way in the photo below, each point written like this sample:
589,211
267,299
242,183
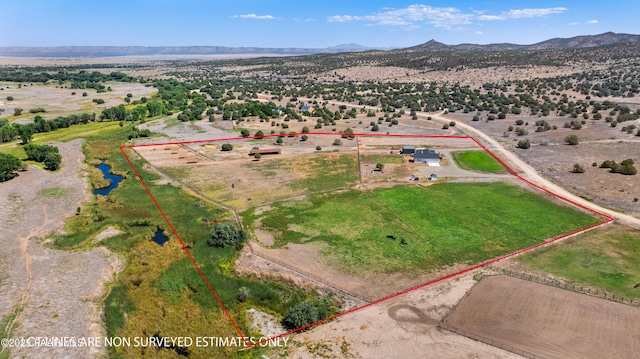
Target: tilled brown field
547,321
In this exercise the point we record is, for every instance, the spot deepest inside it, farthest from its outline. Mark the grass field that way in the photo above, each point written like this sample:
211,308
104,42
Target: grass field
608,258
442,225
270,179
477,161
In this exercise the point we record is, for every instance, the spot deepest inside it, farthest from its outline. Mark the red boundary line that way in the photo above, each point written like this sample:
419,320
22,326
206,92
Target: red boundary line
608,220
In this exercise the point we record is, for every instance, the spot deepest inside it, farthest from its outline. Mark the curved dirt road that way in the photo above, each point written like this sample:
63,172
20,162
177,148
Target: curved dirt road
532,175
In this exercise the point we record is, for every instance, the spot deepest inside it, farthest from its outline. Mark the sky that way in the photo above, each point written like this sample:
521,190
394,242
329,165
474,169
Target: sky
308,24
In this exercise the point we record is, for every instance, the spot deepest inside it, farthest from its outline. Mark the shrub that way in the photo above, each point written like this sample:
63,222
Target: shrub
301,314
577,168
259,134
571,140
318,148
226,234
243,294
337,142
227,147
524,144
445,127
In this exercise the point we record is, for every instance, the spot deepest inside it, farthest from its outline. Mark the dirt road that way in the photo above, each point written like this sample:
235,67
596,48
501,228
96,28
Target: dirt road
56,293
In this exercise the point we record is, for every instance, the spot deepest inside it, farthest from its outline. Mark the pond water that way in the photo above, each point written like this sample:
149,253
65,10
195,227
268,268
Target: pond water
160,238
115,179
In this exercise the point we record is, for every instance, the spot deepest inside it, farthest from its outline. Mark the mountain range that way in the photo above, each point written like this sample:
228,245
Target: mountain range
608,38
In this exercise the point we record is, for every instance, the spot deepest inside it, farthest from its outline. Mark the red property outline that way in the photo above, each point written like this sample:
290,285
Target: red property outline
608,220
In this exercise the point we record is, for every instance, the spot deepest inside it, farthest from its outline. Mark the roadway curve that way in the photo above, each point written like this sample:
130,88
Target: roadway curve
532,175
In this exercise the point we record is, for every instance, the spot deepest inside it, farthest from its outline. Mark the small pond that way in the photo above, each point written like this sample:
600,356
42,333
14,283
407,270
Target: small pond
115,179
160,238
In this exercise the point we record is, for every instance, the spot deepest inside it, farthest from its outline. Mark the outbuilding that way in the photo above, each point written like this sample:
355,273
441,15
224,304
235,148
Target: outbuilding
407,150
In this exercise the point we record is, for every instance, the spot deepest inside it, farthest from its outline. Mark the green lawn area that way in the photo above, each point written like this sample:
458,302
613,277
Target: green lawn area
386,159
477,161
608,258
442,224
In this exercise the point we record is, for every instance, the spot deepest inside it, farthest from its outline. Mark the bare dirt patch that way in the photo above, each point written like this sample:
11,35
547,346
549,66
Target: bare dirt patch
548,321
381,331
265,323
107,233
59,292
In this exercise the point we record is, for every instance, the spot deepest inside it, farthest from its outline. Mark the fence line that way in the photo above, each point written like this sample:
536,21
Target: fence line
599,293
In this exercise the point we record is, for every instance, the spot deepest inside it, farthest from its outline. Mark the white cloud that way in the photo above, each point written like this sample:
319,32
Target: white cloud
442,17
479,32
590,22
254,16
523,13
529,13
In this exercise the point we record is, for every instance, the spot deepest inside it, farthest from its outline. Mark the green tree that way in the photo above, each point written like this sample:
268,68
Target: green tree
337,142
227,147
244,132
25,132
524,144
375,127
301,314
347,133
279,140
379,166
305,129
577,168
226,234
17,111
9,164
304,138
52,161
259,133
257,156
571,140
318,148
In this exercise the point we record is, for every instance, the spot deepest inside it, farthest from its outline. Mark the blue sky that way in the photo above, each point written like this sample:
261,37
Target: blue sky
280,23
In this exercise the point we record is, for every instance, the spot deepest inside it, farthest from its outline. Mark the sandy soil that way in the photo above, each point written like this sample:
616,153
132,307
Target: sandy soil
60,292
402,327
60,101
548,321
107,233
471,77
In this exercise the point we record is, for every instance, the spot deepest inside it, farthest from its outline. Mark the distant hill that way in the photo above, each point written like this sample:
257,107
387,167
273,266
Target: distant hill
608,38
109,51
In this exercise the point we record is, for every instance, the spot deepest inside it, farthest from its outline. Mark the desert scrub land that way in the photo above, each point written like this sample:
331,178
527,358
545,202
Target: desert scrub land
478,161
411,229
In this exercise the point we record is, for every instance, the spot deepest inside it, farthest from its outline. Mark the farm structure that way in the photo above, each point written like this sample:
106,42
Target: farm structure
423,155
408,150
266,151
